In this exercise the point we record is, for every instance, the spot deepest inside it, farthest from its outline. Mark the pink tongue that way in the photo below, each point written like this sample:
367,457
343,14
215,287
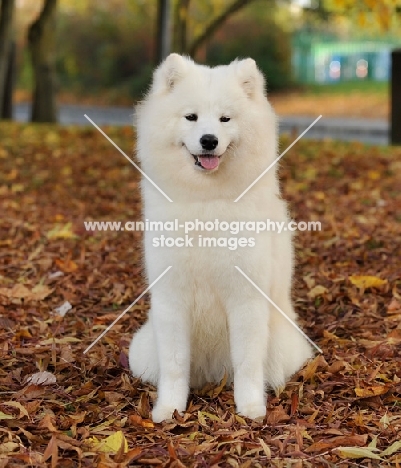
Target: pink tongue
209,162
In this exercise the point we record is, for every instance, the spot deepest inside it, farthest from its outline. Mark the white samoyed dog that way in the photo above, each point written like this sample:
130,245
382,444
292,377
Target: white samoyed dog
203,136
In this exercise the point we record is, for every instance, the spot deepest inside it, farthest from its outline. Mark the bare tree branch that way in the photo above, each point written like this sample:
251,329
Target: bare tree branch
216,23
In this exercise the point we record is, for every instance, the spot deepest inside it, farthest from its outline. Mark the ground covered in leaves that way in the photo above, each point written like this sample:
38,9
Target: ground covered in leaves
61,286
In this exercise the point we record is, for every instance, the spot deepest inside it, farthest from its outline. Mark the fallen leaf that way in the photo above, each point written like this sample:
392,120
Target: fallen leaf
8,447
317,291
365,282
371,391
63,309
357,452
19,291
394,447
311,367
68,265
42,378
111,444
394,306
61,231
15,404
266,448
385,421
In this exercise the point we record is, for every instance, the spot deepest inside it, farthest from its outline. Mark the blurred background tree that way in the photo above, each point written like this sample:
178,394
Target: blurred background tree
41,35
106,50
7,10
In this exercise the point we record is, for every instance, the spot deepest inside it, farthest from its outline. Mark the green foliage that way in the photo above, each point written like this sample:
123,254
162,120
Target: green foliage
101,50
107,48
260,38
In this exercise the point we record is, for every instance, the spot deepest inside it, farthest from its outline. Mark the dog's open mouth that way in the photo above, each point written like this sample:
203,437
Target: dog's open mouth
208,162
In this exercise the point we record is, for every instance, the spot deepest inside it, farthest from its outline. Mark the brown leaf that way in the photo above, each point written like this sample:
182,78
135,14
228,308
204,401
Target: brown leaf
311,367
22,410
19,291
47,423
143,405
327,444
394,307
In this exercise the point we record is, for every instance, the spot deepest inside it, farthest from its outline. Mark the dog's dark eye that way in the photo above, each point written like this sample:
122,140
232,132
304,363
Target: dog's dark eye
191,117
224,119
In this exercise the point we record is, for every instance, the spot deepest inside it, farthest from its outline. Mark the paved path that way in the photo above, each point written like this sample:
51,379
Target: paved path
364,130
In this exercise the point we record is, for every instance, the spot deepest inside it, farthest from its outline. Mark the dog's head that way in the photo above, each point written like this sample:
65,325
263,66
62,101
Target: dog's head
197,119
207,105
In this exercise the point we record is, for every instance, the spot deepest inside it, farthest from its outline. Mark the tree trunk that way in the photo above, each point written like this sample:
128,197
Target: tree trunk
41,46
235,6
181,26
395,96
163,30
6,112
6,41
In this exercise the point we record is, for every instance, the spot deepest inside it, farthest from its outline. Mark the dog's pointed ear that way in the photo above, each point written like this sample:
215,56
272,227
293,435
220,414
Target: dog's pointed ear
250,77
169,72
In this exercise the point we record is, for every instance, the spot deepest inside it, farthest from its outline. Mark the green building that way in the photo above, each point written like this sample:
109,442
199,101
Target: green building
317,59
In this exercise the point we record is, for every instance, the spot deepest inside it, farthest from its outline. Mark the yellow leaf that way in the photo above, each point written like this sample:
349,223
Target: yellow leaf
61,232
361,19
240,420
201,419
114,442
364,282
6,416
385,421
392,449
213,417
266,448
374,175
111,444
15,188
147,423
317,291
373,442
357,452
371,391
310,173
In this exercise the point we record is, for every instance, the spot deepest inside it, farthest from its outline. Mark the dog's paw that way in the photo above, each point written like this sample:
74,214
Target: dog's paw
252,411
161,413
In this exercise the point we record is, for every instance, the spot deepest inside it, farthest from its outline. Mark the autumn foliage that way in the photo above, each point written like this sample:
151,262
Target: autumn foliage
61,286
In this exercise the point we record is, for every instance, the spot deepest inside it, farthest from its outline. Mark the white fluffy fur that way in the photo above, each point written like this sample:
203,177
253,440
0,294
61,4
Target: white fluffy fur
205,318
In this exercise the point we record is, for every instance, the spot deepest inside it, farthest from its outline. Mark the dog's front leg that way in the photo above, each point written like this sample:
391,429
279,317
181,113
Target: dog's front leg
171,329
248,322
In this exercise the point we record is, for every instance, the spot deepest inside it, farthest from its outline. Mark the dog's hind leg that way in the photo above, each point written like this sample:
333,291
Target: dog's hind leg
288,349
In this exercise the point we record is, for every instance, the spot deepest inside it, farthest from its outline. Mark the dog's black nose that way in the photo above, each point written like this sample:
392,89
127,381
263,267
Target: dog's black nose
209,142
